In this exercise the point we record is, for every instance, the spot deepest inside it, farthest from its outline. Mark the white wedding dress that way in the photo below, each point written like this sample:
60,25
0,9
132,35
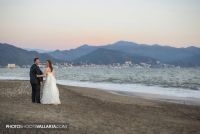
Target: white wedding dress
50,90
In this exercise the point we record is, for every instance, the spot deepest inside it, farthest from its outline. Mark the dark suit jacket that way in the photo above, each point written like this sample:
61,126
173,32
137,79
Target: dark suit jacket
34,71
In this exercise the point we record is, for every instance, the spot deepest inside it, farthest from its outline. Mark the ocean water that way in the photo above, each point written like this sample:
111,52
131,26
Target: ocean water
176,82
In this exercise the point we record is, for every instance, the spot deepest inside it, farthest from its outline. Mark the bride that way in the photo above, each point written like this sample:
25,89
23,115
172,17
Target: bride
50,90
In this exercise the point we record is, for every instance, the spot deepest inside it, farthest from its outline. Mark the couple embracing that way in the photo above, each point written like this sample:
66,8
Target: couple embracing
50,93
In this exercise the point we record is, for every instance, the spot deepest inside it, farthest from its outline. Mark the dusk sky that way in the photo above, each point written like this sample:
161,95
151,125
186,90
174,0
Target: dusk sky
65,24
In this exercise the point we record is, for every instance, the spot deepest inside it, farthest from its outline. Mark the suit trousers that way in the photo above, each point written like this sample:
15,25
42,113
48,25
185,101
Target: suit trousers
35,93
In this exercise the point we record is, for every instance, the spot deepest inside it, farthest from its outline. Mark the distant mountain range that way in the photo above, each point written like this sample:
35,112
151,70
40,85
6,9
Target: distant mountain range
72,54
118,52
12,54
38,50
108,56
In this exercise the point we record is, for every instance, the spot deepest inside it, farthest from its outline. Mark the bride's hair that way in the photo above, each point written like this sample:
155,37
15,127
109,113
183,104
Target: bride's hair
50,65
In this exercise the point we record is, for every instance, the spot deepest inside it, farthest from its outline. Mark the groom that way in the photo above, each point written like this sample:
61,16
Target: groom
35,81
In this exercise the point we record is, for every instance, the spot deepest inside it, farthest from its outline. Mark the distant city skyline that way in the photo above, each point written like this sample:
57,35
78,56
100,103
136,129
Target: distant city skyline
66,24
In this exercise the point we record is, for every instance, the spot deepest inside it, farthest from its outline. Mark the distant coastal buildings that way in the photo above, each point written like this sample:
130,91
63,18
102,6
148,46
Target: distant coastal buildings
11,66
128,63
114,65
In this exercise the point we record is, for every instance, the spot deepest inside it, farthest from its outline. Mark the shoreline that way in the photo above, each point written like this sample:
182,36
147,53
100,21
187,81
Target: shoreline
96,111
157,97
148,96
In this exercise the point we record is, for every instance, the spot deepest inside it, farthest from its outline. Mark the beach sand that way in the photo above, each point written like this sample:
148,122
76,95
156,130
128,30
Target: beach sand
93,111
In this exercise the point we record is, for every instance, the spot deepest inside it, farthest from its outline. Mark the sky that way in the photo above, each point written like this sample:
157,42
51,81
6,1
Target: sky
66,24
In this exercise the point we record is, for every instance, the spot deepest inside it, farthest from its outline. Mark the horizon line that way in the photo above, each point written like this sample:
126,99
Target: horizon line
99,45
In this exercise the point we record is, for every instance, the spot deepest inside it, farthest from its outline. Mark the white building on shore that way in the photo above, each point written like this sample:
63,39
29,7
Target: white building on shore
11,66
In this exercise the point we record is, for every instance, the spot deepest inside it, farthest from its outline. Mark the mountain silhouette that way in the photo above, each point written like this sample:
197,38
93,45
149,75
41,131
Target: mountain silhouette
106,56
118,52
12,54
